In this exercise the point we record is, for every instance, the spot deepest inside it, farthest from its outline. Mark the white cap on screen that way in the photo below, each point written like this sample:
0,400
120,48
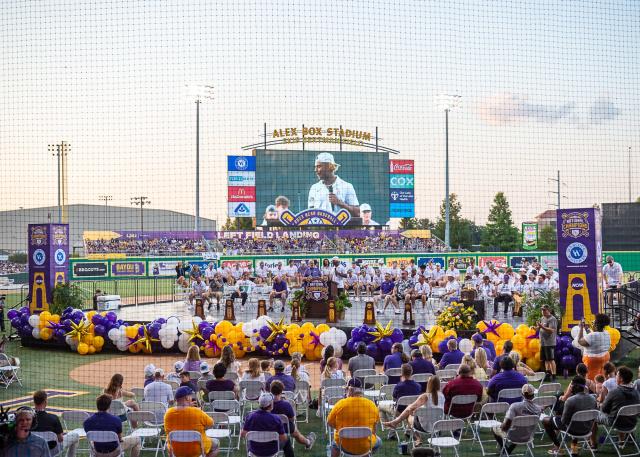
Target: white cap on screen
325,157
365,207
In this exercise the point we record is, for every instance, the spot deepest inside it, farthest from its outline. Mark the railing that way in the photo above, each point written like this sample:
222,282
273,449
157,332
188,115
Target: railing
622,304
132,291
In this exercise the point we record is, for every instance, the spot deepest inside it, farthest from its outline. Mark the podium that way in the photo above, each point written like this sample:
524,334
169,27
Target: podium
316,294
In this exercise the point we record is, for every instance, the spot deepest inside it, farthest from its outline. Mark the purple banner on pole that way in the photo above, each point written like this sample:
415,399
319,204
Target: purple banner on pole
48,262
579,264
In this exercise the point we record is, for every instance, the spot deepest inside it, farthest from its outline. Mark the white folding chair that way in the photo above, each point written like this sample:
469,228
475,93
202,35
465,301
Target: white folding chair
588,418
221,395
486,421
525,426
421,378
233,409
350,433
328,404
360,374
195,375
174,385
386,396
145,429
232,376
536,379
333,383
138,392
453,427
552,388
250,391
220,429
301,399
184,436
546,404
393,373
49,437
630,411
453,366
9,373
157,408
446,375
509,395
262,437
426,417
372,385
73,422
103,437
468,401
402,403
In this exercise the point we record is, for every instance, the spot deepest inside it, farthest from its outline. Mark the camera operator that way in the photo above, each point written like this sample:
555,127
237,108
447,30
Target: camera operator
23,442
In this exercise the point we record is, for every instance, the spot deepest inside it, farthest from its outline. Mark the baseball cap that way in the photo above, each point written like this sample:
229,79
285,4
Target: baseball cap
355,383
178,366
335,258
365,207
158,372
278,365
325,157
149,370
182,392
380,262
271,209
477,337
528,389
204,367
265,400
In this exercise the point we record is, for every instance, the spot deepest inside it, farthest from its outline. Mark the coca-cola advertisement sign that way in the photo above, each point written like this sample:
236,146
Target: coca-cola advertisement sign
401,167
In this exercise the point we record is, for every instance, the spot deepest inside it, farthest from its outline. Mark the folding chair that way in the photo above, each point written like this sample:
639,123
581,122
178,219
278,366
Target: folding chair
360,374
49,437
632,411
73,422
509,395
486,421
536,378
393,372
463,400
174,385
146,428
250,391
552,388
588,417
421,378
184,436
138,392
232,376
426,417
446,375
525,425
195,375
453,366
453,426
220,395
545,403
9,373
233,410
386,395
262,437
157,408
328,403
350,433
302,394
403,402
330,392
372,385
333,383
103,437
220,429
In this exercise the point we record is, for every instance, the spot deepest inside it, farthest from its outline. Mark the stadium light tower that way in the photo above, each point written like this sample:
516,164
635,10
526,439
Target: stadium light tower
447,102
201,93
106,199
141,201
60,151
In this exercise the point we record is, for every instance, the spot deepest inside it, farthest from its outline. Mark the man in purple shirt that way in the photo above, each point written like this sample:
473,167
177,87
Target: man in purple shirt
219,384
454,356
480,342
386,292
406,386
508,378
421,366
103,421
279,291
262,420
507,347
287,380
394,360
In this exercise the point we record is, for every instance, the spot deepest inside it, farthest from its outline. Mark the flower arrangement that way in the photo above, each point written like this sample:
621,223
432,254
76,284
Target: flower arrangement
457,316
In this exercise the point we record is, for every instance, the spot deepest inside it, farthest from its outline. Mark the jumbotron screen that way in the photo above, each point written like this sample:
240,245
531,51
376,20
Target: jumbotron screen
328,180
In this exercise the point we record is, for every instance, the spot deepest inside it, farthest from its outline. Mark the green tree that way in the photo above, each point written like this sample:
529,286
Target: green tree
407,223
500,234
425,224
547,238
18,257
238,223
459,228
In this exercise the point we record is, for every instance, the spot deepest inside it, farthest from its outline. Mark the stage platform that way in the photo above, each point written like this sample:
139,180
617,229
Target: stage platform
353,316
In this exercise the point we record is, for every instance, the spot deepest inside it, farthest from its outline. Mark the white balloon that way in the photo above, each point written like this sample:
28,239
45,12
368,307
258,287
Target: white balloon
466,345
167,344
113,334
196,319
341,337
182,326
183,345
36,333
173,321
34,320
337,351
575,331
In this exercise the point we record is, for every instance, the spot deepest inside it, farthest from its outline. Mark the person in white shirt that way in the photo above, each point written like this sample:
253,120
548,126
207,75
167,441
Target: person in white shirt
421,291
429,270
365,213
236,272
262,274
332,193
486,290
452,271
326,269
438,276
291,270
242,289
504,294
209,272
371,269
612,272
487,269
540,286
351,283
158,390
363,282
471,268
355,268
198,290
279,270
338,273
451,289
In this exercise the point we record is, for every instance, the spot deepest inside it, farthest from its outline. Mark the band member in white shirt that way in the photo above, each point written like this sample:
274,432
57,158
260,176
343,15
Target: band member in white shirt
612,272
262,274
421,291
486,290
471,268
540,286
504,294
452,270
242,289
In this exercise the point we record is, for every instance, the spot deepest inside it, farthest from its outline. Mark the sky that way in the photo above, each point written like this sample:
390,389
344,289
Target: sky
545,86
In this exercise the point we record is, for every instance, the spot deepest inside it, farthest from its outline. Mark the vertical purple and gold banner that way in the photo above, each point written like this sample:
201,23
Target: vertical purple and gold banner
579,264
48,262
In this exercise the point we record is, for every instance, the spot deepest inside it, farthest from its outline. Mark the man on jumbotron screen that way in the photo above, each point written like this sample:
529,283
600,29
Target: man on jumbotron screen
332,193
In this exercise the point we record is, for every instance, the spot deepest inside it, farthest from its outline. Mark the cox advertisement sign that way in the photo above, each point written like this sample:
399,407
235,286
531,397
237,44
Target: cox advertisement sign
401,181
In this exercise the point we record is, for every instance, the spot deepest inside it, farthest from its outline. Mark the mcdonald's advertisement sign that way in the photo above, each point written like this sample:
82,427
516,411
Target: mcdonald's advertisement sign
241,193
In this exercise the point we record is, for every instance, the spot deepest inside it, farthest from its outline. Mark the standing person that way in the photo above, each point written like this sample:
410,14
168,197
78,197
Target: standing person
185,416
338,274
595,345
279,291
24,443
361,360
242,289
612,273
548,326
103,421
47,422
332,193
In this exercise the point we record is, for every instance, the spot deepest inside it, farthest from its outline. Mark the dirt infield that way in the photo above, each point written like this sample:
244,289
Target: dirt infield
132,368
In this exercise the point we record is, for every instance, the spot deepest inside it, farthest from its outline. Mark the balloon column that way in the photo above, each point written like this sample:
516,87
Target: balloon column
378,339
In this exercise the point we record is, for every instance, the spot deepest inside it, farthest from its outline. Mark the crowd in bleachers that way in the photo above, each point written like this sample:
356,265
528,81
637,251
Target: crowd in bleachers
7,268
487,396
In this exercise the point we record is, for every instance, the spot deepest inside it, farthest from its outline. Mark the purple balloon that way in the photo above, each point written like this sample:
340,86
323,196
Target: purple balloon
97,319
59,334
397,336
141,330
77,315
568,361
207,332
24,318
351,345
372,350
161,320
16,323
566,341
24,310
265,332
385,344
202,325
12,313
66,323
566,351
112,316
154,329
100,330
356,334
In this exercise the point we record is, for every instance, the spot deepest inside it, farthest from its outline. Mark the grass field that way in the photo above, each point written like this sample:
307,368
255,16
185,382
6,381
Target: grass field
51,370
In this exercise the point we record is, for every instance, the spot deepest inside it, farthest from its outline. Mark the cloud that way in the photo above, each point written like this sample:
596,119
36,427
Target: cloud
509,108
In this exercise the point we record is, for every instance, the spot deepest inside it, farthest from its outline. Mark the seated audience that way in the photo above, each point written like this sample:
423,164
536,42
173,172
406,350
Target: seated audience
159,391
219,383
507,347
508,378
253,372
47,422
283,406
526,407
395,360
406,387
361,360
287,381
149,370
453,356
263,420
463,384
103,421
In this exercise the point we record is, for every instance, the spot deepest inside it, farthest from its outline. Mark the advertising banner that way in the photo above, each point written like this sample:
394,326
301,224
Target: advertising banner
242,263
549,261
529,236
401,181
401,167
436,260
128,268
401,195
241,194
162,268
241,209
401,260
241,163
579,264
517,262
401,210
373,261
241,178
461,263
498,261
48,262
91,270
